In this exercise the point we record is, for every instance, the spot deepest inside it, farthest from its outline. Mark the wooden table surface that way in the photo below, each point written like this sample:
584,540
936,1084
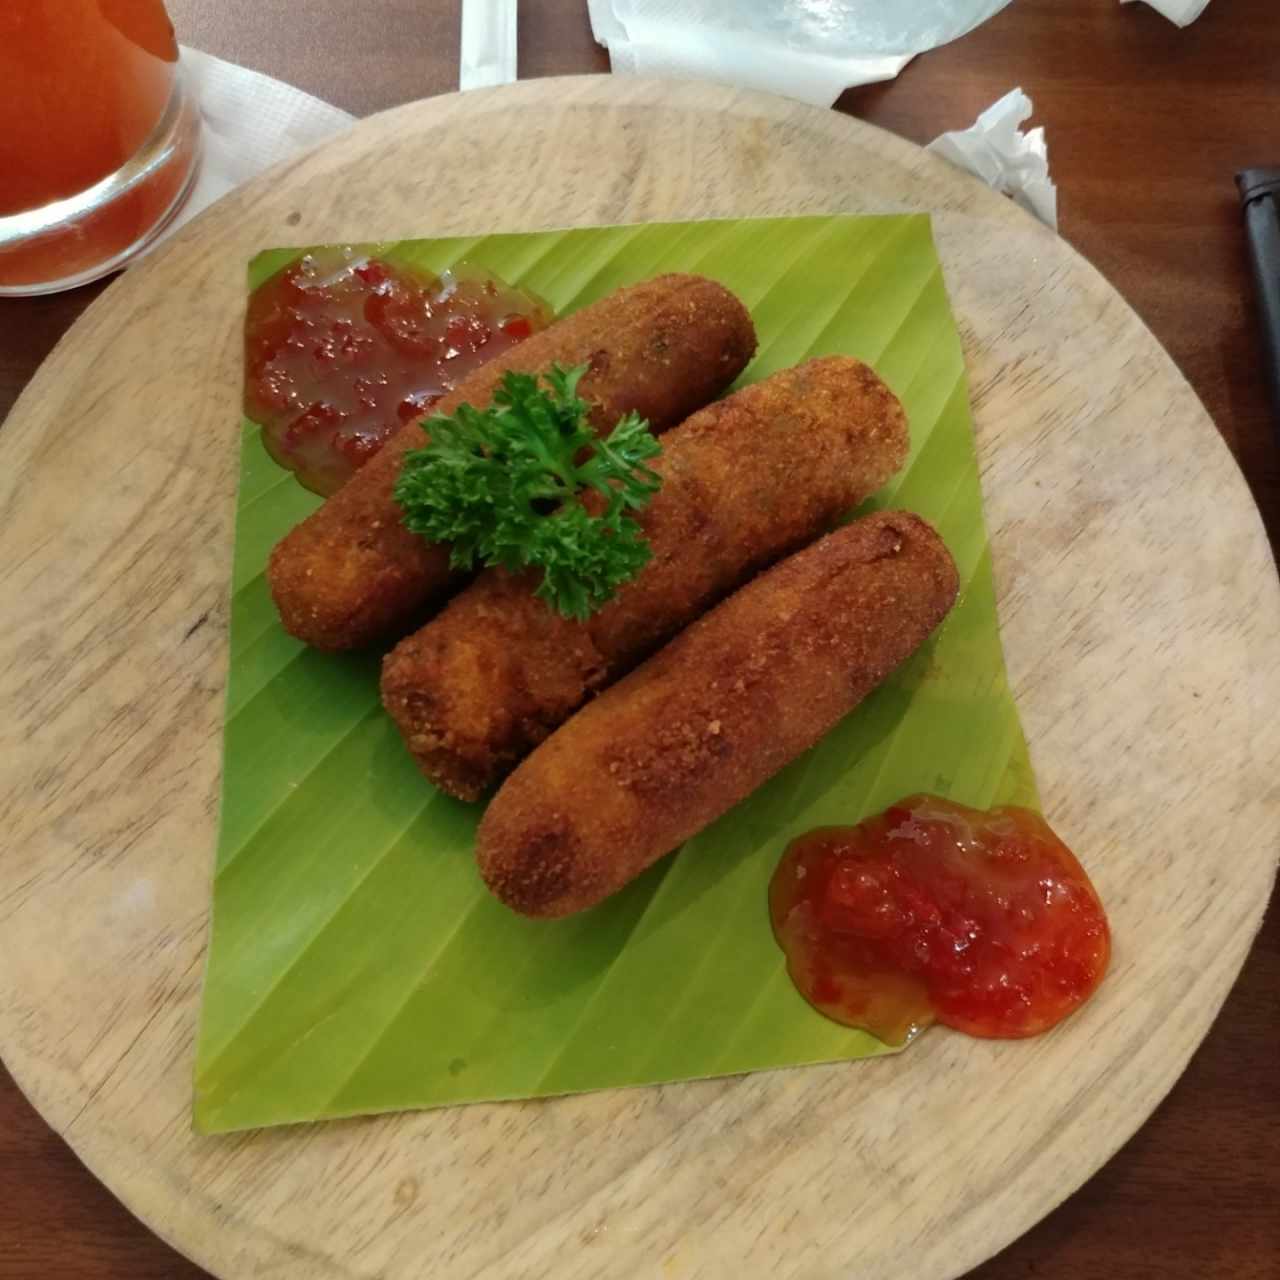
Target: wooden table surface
1146,124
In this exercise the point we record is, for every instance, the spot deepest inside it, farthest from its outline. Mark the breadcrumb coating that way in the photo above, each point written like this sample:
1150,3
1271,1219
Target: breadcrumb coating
692,732
351,574
745,481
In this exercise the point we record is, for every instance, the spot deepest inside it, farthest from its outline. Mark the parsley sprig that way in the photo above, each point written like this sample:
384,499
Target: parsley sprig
506,486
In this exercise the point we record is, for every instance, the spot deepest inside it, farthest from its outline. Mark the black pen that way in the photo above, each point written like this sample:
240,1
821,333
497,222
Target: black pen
1260,195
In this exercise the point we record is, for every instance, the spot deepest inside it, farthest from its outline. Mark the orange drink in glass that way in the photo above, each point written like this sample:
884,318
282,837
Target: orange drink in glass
99,140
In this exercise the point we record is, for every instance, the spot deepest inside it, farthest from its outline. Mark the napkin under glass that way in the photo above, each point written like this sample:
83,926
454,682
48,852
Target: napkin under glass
250,122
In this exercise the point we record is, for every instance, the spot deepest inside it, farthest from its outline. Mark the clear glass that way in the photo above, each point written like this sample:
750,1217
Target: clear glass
100,138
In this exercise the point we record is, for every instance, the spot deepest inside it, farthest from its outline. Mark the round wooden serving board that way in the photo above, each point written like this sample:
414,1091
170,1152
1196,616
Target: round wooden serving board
1141,618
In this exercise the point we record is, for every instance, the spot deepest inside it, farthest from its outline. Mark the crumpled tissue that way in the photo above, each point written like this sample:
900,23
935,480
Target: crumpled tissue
997,150
1183,12
811,50
250,121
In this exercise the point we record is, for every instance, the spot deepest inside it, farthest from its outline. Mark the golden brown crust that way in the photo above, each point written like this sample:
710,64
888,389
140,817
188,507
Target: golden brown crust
729,702
350,573
745,481
494,670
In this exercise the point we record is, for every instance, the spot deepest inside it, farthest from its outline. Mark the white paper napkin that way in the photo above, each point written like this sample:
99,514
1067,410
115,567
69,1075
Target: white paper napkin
997,150
251,121
811,50
1183,12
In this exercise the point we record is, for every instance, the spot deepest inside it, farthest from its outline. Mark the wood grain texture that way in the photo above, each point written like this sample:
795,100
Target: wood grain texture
1146,124
1141,614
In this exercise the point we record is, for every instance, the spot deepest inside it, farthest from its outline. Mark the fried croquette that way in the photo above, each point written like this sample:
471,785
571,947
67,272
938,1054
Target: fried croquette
351,573
744,482
738,695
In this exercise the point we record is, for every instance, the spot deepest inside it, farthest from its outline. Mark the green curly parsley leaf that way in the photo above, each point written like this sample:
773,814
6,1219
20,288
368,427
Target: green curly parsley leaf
527,484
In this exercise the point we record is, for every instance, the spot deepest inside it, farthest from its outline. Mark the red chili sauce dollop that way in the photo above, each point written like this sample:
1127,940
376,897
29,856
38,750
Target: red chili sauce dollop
342,348
931,911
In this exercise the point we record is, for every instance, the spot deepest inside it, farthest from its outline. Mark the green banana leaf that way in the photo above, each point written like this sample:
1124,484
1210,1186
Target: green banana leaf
357,964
